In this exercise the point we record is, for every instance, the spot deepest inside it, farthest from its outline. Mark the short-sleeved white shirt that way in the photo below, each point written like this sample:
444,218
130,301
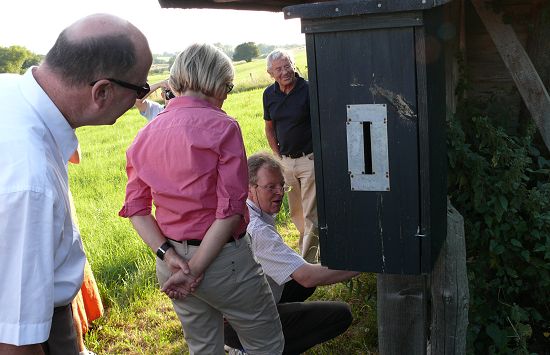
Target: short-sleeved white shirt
152,109
277,259
41,255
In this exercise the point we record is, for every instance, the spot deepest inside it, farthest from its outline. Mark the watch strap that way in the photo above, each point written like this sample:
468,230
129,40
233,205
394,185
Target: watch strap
161,251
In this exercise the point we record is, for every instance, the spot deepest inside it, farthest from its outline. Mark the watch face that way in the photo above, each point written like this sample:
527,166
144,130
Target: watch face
160,253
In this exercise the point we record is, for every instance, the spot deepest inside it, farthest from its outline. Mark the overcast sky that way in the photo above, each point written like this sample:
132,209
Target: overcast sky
35,24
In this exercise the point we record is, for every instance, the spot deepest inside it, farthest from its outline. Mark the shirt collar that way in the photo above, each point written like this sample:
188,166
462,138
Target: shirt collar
62,133
190,101
255,211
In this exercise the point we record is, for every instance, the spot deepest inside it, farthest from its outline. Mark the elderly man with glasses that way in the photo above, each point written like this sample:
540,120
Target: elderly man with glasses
91,76
291,278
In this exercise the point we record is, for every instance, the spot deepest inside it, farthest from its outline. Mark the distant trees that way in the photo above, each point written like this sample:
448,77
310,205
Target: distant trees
17,59
265,49
246,51
226,48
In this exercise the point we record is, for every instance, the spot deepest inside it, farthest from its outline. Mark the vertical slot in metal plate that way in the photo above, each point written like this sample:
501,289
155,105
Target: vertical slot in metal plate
368,173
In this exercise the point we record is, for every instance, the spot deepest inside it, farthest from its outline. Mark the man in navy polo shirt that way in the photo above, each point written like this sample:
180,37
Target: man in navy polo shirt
288,132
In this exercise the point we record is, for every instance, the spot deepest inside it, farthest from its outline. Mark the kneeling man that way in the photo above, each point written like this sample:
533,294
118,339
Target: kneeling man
292,279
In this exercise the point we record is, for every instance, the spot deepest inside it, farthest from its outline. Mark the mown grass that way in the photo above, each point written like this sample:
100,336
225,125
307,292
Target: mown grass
139,319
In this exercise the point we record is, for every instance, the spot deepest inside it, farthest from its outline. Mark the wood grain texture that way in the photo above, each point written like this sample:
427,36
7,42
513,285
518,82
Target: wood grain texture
521,68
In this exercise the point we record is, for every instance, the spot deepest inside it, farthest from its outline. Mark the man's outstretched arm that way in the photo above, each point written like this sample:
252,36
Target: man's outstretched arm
311,275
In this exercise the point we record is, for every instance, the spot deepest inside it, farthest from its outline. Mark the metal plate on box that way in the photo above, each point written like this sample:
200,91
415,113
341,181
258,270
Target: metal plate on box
367,143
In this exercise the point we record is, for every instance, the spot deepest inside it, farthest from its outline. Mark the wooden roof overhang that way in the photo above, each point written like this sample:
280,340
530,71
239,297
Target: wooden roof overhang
352,6
264,5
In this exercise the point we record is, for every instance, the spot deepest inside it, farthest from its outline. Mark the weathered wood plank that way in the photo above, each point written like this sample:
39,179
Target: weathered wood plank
521,68
402,302
402,314
449,291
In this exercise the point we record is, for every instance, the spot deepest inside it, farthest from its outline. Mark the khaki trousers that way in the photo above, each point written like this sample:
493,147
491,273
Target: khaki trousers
233,287
300,174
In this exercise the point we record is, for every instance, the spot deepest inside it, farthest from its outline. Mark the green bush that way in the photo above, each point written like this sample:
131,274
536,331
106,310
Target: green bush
500,183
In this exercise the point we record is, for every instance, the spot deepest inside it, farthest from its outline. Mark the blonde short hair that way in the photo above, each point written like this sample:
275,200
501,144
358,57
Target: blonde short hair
203,68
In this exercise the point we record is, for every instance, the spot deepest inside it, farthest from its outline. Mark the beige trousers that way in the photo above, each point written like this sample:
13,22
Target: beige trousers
300,174
233,287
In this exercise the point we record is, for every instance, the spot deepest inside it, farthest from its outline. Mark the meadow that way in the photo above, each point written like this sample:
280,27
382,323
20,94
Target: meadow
139,318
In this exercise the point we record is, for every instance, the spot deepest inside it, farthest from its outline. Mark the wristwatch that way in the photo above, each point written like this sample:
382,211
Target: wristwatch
161,251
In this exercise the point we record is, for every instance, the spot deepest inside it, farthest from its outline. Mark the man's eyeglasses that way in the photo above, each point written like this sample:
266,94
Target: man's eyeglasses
276,188
229,87
141,91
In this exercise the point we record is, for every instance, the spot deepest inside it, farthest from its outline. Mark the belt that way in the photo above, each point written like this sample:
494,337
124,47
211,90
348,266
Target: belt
197,242
295,155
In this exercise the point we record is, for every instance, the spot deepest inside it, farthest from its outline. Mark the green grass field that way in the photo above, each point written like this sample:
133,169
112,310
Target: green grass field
139,319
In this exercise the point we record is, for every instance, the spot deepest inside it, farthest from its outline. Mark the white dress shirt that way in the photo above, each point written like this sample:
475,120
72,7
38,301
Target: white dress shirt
277,259
41,255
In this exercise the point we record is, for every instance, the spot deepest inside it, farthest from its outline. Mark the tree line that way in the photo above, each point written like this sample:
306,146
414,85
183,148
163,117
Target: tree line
17,59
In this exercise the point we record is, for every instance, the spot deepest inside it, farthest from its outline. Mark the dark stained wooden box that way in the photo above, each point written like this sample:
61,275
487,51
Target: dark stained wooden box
377,89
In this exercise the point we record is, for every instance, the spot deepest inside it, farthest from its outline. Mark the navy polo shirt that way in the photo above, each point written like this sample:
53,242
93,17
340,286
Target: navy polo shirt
290,115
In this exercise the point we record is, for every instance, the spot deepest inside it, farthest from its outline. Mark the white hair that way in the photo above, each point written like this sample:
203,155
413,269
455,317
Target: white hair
278,54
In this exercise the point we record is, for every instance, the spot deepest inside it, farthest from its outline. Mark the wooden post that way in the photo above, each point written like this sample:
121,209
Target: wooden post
402,302
402,315
449,291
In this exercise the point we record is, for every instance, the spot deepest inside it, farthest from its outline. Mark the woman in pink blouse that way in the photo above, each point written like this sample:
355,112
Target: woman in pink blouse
191,162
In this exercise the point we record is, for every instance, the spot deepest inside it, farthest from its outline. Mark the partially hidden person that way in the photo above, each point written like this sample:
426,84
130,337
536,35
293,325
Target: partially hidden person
93,74
149,108
291,278
288,132
87,305
191,162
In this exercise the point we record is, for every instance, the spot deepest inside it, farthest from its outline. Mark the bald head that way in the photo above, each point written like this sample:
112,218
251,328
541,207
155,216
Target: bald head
99,25
98,46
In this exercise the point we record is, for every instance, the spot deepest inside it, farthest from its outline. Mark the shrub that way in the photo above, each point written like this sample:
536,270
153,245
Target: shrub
500,184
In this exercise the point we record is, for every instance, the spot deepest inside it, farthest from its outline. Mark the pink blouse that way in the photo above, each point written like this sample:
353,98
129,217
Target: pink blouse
191,162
